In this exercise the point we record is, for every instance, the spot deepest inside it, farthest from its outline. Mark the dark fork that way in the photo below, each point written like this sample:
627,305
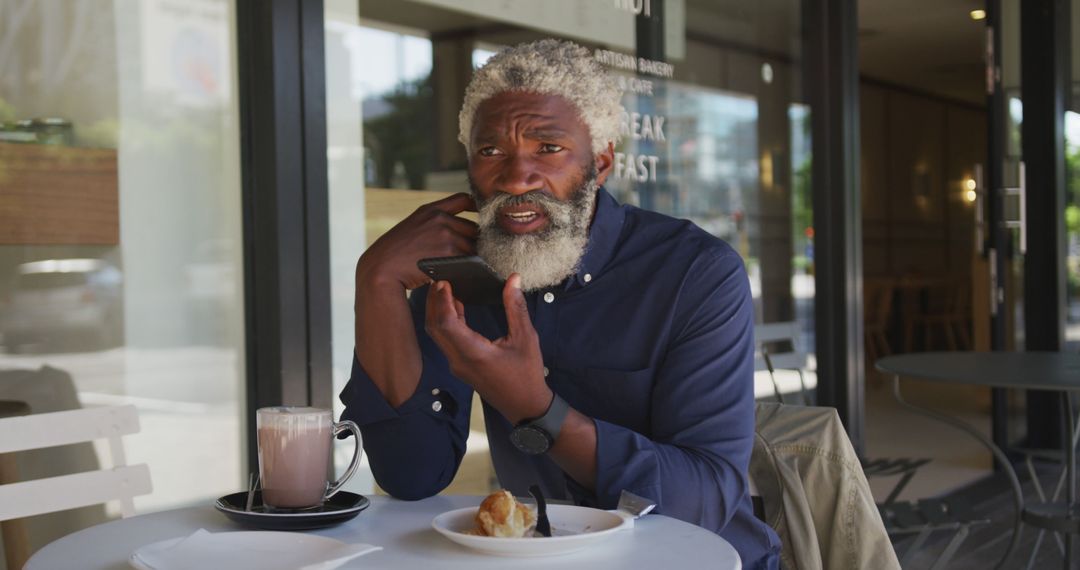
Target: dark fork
542,525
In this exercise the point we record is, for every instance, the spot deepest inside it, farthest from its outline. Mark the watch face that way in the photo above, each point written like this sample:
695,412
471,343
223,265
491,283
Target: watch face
530,439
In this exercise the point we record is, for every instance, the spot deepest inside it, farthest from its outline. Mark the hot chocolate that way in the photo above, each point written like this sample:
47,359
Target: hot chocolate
293,463
294,455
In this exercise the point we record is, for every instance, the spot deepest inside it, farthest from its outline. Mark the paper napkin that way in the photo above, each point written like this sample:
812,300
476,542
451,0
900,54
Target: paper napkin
255,550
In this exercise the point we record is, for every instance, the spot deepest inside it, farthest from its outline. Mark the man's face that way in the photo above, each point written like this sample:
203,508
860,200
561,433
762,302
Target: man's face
523,142
534,178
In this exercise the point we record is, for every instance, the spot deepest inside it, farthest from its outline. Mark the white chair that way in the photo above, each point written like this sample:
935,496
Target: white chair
772,360
120,483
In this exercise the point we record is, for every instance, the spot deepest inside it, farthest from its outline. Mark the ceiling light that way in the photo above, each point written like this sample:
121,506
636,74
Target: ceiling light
978,15
970,184
970,195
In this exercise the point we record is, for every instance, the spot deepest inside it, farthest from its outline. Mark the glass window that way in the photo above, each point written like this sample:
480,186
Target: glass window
1072,194
715,131
1072,228
120,233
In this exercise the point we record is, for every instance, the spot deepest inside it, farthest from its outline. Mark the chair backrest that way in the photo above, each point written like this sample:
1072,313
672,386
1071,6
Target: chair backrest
878,301
122,482
814,492
773,333
771,352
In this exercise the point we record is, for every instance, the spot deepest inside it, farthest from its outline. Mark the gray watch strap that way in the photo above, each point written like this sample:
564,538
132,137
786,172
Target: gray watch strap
553,419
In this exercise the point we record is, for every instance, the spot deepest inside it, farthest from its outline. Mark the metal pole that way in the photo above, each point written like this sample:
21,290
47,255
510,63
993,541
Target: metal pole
832,81
1070,467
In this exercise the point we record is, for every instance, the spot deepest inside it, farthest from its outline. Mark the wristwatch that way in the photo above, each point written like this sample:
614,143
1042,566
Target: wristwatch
536,435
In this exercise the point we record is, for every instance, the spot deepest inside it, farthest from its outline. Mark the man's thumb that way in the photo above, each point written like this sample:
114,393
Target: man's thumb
517,310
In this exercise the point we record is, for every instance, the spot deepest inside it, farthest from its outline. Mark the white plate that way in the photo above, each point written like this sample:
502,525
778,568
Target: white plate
573,528
244,550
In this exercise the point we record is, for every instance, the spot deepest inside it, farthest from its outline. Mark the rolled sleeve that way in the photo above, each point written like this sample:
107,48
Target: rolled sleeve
435,396
415,449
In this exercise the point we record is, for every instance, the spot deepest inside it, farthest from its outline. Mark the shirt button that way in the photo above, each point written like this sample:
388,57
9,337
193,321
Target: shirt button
437,406
545,372
549,297
435,392
588,277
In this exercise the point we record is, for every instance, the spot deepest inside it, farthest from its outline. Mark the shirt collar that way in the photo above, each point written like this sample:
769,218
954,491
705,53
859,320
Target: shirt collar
603,237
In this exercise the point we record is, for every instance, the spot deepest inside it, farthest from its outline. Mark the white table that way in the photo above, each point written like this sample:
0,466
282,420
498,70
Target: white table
404,531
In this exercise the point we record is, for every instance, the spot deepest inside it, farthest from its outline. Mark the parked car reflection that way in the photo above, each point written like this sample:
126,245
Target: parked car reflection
63,304
212,294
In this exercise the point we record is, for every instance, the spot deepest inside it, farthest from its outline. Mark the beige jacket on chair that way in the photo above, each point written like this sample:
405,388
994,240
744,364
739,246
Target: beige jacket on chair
814,492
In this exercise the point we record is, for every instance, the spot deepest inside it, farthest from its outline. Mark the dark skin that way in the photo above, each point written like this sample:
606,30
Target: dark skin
520,142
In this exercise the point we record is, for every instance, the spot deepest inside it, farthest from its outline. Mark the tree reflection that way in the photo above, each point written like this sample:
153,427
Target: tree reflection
398,135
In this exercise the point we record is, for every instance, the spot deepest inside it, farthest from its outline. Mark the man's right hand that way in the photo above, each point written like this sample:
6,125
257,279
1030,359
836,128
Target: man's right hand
433,230
386,344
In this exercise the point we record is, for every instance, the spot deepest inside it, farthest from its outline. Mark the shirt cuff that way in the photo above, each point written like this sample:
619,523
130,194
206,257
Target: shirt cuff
435,396
625,460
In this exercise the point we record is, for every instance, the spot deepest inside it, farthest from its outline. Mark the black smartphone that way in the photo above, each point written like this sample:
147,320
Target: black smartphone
472,281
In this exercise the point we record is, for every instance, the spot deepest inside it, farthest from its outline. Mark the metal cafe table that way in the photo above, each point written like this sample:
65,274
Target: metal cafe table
404,531
1053,371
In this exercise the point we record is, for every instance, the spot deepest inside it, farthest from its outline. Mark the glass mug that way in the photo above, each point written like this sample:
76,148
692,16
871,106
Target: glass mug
295,445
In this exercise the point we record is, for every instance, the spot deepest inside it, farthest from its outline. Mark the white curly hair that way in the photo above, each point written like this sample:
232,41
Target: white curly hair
549,67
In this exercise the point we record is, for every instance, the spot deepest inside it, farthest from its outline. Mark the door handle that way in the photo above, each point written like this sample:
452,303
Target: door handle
980,215
1021,192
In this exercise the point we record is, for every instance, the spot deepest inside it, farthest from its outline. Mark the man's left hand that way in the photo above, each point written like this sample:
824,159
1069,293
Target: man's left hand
506,372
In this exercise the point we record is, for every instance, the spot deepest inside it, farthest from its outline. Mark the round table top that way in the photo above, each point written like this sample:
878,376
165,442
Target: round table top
1058,371
404,531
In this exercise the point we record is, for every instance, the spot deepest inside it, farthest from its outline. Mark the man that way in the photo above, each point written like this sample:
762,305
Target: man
623,355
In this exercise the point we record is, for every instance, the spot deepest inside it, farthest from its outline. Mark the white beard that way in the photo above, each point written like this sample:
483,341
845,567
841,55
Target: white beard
542,258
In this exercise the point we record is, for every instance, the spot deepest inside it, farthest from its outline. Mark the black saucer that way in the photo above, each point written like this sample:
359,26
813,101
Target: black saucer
341,507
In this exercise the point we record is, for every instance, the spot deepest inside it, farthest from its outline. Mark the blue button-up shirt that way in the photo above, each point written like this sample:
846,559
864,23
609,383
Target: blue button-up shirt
652,338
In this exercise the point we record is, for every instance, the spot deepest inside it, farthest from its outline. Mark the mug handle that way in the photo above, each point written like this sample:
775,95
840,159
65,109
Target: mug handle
358,452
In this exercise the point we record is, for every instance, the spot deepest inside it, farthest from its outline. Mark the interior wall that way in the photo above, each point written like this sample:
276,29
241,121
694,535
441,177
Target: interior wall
873,154
916,153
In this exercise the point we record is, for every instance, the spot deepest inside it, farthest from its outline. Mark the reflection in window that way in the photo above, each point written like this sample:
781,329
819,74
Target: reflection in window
1072,227
689,152
802,223
1015,125
120,229
397,97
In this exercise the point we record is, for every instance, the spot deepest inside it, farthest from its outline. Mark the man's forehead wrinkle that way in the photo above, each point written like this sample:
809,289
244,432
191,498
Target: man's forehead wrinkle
552,69
527,124
546,133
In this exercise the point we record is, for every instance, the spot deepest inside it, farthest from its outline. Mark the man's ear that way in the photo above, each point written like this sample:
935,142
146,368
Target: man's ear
605,161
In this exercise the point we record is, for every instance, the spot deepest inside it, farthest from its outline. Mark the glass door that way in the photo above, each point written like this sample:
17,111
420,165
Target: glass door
1005,231
1008,189
1028,314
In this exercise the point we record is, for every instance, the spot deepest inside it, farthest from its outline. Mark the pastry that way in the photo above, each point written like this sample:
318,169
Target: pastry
503,516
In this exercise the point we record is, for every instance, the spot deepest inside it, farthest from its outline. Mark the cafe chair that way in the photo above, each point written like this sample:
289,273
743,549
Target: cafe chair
878,302
1050,456
37,391
902,467
121,482
813,491
928,516
947,310
13,534
777,347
